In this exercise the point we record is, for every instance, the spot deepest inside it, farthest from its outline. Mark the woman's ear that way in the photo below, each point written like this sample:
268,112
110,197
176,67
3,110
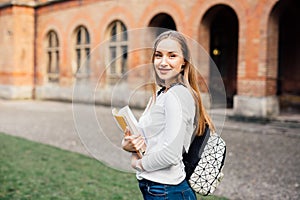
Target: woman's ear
182,69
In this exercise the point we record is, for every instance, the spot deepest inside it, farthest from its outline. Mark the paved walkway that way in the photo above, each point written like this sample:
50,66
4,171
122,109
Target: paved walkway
262,162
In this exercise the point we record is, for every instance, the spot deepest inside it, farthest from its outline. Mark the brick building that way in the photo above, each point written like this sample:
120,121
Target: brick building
46,45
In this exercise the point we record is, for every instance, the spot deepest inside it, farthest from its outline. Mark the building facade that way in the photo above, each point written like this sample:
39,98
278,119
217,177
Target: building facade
47,46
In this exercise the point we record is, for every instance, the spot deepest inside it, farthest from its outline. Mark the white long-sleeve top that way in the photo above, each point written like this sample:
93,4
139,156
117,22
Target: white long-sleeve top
168,126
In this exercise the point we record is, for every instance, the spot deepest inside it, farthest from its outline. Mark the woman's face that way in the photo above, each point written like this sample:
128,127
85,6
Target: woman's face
168,59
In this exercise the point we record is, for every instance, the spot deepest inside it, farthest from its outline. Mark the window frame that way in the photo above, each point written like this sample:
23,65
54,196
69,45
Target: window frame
117,40
82,51
53,57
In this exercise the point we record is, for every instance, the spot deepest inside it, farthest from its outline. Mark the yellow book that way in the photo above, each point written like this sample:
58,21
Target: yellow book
120,121
125,118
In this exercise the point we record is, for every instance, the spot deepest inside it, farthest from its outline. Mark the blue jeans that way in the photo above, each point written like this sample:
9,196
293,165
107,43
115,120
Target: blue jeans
158,191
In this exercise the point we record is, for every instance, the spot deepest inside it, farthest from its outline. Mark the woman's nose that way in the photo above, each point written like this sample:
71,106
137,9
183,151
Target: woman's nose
164,60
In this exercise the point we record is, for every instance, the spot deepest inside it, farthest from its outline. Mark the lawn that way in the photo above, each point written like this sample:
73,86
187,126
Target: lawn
30,170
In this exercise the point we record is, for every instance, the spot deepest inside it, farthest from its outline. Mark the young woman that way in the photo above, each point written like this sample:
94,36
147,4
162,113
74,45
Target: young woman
168,123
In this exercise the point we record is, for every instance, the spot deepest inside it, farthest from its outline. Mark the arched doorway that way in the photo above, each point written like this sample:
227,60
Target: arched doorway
222,29
163,21
288,77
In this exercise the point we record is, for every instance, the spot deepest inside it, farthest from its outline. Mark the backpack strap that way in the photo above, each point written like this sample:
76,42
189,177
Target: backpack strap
192,157
163,88
160,91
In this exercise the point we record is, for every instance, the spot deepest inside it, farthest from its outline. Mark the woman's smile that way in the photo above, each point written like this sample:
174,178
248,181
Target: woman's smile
163,71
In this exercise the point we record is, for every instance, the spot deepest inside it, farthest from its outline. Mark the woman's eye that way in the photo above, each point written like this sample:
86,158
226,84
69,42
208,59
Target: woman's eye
157,55
172,56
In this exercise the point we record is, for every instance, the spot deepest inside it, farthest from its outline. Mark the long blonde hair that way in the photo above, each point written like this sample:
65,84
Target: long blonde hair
187,77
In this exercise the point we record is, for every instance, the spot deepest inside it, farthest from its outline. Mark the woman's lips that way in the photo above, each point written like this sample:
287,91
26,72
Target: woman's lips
163,71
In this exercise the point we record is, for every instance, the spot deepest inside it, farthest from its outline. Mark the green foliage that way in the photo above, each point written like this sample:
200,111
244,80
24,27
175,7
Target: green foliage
30,170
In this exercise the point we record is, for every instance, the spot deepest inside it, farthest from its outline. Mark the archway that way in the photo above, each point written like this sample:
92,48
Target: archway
163,21
222,26
288,79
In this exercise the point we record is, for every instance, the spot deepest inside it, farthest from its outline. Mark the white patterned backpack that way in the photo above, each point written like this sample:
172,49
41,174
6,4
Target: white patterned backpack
204,162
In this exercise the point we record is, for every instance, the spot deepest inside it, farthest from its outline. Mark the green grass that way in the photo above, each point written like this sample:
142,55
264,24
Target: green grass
30,170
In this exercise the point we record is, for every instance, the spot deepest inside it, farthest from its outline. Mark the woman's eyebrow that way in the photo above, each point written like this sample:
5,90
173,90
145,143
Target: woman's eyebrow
174,52
157,51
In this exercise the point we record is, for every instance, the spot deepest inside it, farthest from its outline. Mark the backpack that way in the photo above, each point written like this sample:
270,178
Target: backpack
204,162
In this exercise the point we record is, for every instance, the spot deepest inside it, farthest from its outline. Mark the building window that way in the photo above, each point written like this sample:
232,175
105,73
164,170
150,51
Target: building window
118,47
53,57
82,52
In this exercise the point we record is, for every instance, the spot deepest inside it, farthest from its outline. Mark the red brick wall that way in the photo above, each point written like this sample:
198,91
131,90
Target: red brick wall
255,82
17,45
7,48
23,18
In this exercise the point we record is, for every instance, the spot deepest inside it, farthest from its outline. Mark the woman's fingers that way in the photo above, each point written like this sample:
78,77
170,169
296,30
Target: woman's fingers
131,138
132,142
135,141
139,145
127,132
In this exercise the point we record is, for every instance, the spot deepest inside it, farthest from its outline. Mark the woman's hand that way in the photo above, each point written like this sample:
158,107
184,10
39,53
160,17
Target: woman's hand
133,143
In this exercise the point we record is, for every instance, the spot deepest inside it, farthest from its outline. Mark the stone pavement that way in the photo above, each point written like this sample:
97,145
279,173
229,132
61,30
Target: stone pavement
263,159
